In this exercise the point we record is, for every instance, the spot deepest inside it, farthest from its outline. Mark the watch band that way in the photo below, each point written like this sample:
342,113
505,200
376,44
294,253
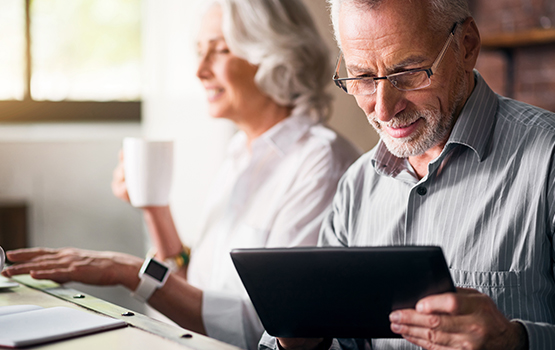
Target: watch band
153,275
176,262
145,289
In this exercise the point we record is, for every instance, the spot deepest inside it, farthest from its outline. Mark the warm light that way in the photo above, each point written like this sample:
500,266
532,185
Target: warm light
12,49
87,50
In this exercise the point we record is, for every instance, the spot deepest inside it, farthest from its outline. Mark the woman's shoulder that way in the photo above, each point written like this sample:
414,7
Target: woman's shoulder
323,137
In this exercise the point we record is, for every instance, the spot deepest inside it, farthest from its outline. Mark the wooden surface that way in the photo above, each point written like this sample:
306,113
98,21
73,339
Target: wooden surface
69,111
143,332
518,39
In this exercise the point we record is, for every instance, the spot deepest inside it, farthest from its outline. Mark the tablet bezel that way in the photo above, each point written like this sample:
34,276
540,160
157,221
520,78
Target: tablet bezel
320,292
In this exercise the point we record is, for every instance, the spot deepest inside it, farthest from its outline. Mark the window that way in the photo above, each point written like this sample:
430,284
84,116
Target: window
75,60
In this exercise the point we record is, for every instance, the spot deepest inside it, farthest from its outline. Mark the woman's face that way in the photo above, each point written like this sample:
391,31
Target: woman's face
227,79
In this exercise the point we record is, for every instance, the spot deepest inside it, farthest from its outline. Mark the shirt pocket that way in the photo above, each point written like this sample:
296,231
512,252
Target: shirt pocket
486,280
504,287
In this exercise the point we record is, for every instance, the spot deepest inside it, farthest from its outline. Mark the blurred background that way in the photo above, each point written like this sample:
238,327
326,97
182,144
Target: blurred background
78,76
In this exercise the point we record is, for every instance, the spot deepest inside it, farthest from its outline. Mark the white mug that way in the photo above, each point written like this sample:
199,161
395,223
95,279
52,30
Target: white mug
148,167
2,258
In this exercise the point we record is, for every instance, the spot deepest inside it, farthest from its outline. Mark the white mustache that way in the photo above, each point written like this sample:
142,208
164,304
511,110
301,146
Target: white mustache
405,118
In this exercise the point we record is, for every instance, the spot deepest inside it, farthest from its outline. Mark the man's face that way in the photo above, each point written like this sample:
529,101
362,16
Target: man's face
391,39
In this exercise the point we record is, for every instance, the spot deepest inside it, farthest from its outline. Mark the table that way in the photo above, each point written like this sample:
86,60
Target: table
143,332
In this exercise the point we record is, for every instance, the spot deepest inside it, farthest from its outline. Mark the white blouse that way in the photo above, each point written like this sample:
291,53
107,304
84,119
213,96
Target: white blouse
273,194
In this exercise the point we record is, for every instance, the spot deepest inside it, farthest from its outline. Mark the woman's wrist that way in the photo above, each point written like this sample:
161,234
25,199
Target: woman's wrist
127,268
175,262
162,231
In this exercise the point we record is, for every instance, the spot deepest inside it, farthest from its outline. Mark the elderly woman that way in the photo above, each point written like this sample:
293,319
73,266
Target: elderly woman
265,68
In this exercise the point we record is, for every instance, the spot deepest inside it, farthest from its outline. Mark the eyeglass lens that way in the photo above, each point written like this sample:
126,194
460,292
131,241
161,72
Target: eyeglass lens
405,81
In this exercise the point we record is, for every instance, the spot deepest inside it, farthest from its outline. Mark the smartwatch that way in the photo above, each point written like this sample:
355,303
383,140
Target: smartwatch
153,275
176,262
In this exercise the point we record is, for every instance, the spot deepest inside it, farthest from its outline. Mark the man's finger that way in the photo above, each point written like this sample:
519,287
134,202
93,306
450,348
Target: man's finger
464,303
416,324
404,319
447,303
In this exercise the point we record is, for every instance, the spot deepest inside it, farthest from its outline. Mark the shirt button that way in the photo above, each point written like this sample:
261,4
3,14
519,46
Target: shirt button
421,191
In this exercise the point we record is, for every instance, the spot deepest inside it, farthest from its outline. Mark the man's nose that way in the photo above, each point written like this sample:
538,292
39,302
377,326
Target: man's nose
388,101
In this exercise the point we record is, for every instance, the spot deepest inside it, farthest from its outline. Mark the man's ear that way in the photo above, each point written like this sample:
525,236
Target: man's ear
470,44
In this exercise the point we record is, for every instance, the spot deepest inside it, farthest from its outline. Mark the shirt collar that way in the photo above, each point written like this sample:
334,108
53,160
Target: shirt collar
472,129
475,123
281,137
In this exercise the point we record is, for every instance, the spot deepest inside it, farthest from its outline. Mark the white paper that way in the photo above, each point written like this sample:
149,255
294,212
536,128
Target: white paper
41,325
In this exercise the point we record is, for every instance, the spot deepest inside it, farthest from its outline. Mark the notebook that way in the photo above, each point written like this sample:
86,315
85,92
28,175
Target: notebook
6,283
26,325
338,292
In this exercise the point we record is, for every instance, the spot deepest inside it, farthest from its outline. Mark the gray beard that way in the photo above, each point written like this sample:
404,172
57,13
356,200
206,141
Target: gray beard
423,139
437,126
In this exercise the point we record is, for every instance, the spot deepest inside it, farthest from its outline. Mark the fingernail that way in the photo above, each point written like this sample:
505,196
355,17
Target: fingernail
395,317
420,307
395,327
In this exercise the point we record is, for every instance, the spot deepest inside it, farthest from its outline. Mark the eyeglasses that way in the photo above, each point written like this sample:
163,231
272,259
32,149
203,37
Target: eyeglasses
409,80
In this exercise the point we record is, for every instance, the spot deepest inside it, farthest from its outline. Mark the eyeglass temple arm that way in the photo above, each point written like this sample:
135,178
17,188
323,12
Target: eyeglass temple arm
445,47
337,64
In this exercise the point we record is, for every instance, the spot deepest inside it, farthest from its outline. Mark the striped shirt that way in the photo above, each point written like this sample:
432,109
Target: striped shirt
488,200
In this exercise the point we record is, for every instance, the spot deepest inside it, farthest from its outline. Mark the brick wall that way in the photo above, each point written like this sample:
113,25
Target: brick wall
533,75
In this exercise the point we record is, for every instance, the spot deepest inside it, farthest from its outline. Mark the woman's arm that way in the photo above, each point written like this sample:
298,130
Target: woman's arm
180,302
159,221
163,234
176,299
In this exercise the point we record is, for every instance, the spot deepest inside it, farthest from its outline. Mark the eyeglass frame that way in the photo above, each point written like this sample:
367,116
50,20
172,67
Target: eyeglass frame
429,71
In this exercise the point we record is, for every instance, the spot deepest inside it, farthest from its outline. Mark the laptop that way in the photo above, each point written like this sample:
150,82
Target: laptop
338,292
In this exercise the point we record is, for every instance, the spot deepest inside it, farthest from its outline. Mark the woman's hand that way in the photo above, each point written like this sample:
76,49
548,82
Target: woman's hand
119,188
77,265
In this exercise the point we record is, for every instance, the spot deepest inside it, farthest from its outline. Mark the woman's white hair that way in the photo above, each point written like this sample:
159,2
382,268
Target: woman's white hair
280,38
443,12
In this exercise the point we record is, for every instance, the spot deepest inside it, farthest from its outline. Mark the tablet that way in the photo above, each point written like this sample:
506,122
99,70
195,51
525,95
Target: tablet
338,292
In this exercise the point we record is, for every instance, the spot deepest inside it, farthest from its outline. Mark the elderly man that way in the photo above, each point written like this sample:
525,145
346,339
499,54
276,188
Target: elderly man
457,166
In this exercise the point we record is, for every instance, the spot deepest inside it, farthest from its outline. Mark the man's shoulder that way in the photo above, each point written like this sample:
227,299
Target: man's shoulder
525,115
523,129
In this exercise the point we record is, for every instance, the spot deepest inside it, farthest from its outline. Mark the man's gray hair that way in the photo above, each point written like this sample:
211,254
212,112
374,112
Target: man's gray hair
443,12
280,37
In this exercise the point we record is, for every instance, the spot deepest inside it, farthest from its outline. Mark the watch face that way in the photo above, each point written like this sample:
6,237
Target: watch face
156,270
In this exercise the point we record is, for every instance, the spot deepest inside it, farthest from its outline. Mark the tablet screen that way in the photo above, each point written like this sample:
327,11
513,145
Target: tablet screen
338,292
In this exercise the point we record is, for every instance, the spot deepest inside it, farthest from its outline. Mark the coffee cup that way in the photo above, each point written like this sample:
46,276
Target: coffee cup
2,258
148,166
